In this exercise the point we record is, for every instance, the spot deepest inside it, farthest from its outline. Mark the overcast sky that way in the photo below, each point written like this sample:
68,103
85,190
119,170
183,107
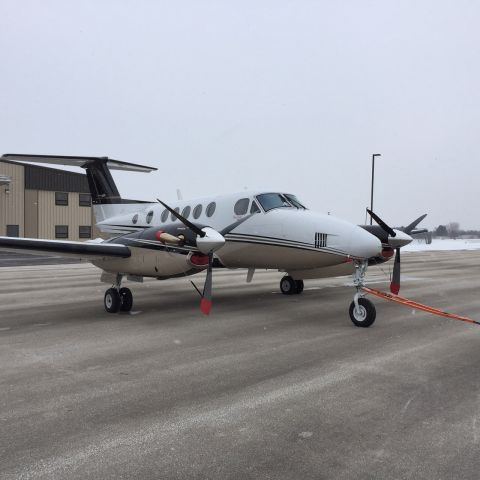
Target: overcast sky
223,95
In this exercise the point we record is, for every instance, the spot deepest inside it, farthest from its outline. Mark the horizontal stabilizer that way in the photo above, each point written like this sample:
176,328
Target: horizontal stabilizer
82,250
75,161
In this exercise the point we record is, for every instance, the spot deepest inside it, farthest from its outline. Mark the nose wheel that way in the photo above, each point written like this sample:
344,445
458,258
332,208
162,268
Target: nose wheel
362,312
289,286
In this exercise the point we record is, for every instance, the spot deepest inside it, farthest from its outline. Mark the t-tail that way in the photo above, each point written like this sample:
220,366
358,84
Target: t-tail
106,198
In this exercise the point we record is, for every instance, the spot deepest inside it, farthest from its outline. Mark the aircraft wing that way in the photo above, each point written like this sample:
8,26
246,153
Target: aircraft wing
81,250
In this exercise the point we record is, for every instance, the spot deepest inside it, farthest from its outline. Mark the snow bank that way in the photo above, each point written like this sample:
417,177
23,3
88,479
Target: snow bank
443,244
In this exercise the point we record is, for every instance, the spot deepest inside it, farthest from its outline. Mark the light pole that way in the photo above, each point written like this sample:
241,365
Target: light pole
373,178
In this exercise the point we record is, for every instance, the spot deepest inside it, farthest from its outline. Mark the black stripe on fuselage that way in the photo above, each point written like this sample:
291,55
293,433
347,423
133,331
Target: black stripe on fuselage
253,239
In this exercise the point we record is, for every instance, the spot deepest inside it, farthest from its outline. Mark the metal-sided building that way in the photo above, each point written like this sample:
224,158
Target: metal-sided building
42,202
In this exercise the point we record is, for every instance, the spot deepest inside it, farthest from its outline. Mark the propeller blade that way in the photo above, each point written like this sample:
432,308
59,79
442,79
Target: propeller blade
234,225
417,231
410,228
186,222
395,284
388,229
206,301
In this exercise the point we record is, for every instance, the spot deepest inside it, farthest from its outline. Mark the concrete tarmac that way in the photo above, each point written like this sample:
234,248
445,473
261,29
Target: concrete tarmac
267,387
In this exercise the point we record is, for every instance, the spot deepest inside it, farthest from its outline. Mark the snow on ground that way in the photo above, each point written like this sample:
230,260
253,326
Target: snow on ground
443,244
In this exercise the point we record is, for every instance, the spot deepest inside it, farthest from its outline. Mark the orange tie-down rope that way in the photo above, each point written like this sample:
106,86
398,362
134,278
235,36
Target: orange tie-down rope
418,306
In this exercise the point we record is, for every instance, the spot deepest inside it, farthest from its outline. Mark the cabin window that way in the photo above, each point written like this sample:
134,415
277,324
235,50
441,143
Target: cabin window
164,217
176,209
13,230
241,207
149,216
210,209
197,211
186,212
269,201
85,231
61,199
254,208
84,200
61,231
135,219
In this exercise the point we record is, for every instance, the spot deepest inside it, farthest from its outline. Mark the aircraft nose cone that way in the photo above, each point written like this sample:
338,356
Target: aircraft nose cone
400,239
363,244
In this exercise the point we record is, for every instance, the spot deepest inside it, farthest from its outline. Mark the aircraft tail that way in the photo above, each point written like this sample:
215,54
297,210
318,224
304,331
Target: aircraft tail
100,181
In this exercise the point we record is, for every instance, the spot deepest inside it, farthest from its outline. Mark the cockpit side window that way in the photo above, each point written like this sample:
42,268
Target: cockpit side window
294,201
269,201
254,208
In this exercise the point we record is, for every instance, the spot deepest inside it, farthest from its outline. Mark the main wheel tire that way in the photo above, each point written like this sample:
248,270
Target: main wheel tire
366,314
288,285
126,299
112,301
298,286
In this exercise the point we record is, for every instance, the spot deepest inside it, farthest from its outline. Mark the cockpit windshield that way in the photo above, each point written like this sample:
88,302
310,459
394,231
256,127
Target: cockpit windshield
294,201
269,201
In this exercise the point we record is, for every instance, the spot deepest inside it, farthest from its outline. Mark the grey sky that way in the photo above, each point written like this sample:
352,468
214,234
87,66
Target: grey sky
291,95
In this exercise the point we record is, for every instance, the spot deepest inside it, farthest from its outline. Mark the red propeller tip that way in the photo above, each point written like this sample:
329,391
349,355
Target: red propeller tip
205,306
395,288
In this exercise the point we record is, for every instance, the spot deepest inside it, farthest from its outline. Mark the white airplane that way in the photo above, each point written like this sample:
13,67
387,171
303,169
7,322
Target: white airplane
250,229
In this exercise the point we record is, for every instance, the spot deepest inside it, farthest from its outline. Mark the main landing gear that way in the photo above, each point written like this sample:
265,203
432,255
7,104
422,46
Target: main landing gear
362,311
118,299
289,286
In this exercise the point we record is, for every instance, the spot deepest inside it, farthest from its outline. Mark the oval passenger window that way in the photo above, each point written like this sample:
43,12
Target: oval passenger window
186,212
135,219
164,216
149,216
210,209
197,211
241,207
176,209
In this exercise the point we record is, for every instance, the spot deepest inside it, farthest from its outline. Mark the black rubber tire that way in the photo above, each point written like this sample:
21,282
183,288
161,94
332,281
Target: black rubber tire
298,286
126,299
112,301
368,313
288,286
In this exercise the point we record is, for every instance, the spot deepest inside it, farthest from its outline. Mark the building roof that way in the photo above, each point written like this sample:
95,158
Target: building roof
52,179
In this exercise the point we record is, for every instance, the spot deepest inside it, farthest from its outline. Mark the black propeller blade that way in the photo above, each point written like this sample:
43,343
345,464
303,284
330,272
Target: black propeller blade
411,228
206,301
395,283
388,229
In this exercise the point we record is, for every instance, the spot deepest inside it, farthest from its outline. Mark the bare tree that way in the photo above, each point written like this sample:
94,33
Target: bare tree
453,228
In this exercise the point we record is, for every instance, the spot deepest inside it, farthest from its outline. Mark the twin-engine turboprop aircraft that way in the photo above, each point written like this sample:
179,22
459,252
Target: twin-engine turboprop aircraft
256,229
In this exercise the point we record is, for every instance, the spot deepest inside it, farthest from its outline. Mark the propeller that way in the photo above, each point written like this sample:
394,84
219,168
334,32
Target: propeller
397,238
208,241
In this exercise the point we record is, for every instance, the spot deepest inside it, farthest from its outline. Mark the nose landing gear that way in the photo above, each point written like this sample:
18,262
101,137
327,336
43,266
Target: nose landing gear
362,311
118,299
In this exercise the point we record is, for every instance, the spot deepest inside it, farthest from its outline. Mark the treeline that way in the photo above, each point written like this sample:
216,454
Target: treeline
453,230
